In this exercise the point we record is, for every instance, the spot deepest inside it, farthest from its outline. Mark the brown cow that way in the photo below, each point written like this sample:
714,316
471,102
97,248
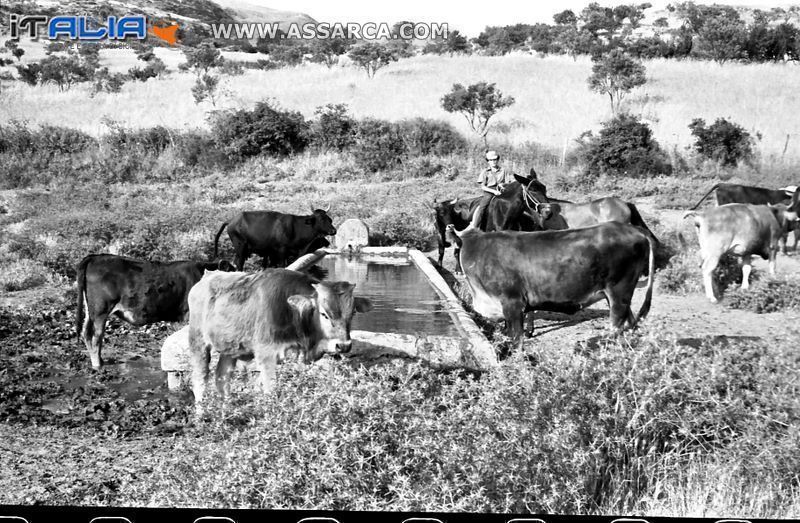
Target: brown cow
137,291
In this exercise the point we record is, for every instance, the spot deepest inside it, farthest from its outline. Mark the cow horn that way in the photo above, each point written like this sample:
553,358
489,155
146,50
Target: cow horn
455,201
328,207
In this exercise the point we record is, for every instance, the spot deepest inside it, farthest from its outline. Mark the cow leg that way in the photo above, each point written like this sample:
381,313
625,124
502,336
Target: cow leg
441,252
773,253
709,264
267,362
746,268
225,367
457,253
93,331
620,311
529,331
514,314
241,256
200,359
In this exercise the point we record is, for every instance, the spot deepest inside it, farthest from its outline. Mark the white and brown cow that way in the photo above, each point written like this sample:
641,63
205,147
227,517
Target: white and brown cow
740,229
263,316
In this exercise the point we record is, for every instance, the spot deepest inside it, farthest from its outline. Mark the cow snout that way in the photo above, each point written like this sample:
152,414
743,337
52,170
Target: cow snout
344,346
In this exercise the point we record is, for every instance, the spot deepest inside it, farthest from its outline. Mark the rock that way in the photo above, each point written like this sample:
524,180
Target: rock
352,234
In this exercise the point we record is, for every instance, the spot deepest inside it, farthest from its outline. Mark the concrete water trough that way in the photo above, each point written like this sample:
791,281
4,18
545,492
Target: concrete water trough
416,314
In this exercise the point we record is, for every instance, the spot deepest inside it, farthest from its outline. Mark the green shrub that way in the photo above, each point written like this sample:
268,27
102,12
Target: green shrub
402,228
198,148
624,147
22,275
379,145
423,136
264,130
333,129
724,142
682,274
770,295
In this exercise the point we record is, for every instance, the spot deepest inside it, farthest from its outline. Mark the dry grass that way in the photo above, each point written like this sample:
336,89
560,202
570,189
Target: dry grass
553,103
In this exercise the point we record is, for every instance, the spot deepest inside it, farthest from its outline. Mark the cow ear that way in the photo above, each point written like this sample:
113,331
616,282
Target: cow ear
362,304
302,303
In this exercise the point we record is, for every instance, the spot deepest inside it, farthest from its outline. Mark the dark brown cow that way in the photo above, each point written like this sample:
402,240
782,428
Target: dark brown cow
139,292
511,273
262,316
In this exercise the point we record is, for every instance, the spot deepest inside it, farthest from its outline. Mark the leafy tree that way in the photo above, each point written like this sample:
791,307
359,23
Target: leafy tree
30,73
456,43
566,17
65,71
574,41
477,103
615,74
722,38
783,41
599,20
205,88
327,51
290,52
201,59
372,56
18,52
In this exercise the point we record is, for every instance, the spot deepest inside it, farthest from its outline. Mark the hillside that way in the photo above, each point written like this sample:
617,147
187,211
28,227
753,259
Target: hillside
189,12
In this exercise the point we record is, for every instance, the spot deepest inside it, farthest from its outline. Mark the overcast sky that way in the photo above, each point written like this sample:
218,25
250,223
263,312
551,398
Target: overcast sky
469,18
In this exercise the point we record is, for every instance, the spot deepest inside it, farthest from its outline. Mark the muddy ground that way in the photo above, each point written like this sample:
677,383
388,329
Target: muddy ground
46,378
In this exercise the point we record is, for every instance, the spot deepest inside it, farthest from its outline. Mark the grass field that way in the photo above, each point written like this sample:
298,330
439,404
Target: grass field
553,103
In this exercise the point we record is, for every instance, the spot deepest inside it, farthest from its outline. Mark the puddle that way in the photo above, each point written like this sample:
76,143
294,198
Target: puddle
136,379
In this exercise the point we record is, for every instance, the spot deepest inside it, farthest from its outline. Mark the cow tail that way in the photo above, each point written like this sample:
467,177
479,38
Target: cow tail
704,197
638,221
651,277
80,315
216,238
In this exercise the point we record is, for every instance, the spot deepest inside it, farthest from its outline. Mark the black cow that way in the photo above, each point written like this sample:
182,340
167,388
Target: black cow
139,292
512,273
735,193
275,236
456,212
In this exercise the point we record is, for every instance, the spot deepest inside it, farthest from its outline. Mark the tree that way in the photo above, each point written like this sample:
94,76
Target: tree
201,59
615,74
328,50
722,39
18,52
372,56
566,17
206,88
477,103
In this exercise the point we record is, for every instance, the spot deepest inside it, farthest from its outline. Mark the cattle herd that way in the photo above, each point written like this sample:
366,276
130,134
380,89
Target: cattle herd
527,252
